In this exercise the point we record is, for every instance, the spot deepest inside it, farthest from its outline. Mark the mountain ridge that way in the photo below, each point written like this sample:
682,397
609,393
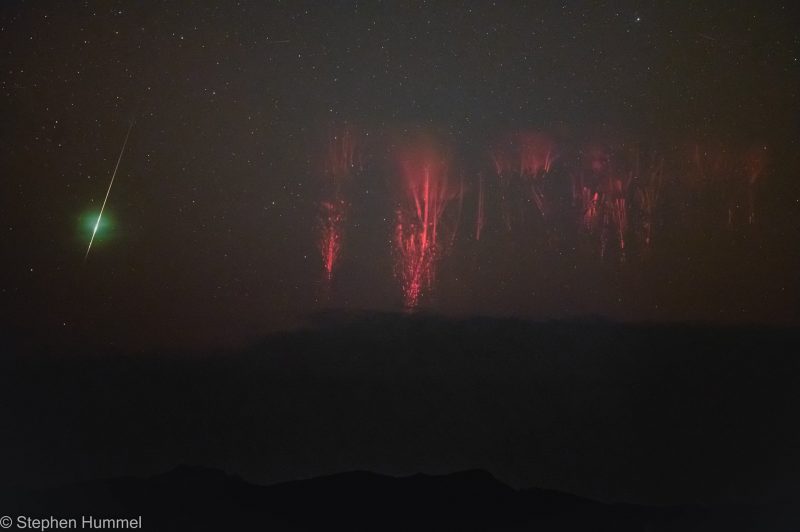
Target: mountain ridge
201,498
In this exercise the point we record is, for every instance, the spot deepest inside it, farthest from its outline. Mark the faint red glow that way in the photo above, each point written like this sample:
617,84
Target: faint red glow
647,181
342,161
591,205
505,169
536,153
755,163
330,242
598,159
728,176
618,206
647,199
343,157
590,190
600,191
479,218
527,157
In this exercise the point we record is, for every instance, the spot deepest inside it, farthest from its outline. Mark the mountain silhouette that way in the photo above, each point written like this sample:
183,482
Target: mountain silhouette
675,420
194,498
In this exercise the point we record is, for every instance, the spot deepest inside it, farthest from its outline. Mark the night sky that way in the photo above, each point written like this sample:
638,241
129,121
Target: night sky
211,233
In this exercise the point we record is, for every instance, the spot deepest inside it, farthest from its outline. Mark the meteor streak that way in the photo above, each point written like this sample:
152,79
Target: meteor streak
110,184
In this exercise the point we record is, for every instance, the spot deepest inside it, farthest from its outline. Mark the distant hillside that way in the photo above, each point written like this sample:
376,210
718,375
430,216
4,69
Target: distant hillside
205,499
637,413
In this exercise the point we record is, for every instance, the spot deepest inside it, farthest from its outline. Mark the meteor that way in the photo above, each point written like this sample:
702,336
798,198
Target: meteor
102,207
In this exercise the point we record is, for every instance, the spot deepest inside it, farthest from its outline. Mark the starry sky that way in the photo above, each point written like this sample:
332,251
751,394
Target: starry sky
210,234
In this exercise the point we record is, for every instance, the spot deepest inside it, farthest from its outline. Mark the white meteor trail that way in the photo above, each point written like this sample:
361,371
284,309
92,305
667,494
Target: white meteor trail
113,175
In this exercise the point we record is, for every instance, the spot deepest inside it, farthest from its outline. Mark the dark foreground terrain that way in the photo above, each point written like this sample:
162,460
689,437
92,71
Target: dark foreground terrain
204,499
693,427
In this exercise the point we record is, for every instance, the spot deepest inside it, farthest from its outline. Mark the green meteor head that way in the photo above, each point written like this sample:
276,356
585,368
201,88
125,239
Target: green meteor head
94,225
